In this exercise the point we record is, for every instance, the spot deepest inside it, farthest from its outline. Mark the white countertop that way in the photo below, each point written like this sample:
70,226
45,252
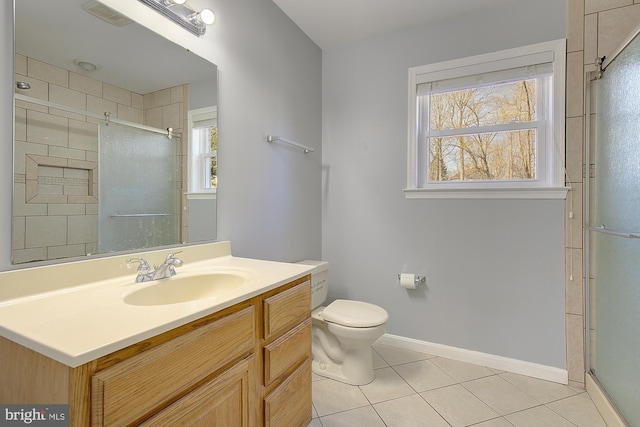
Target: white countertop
77,324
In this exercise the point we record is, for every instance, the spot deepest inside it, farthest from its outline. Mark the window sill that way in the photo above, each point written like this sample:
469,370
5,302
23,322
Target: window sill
488,193
201,195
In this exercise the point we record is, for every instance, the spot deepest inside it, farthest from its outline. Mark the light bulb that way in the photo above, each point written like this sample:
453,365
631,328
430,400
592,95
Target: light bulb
206,16
170,2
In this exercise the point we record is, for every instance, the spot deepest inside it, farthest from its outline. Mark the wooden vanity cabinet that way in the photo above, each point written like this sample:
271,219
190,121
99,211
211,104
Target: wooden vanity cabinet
247,365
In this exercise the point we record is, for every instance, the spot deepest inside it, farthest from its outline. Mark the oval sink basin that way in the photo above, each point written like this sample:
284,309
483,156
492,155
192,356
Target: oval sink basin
179,289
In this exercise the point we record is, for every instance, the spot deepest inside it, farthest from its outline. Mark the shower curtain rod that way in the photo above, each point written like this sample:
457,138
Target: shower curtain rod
605,230
604,62
169,132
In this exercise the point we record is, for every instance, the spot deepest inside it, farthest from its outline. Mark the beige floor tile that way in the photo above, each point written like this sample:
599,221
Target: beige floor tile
458,406
462,394
387,385
540,416
331,396
410,411
541,390
502,396
361,417
424,375
496,422
578,409
378,361
461,371
395,356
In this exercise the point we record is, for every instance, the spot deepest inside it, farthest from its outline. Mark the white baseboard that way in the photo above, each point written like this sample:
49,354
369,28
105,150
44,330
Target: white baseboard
604,406
530,369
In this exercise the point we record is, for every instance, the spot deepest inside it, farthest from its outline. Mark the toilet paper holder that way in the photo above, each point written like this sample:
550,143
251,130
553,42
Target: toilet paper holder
417,279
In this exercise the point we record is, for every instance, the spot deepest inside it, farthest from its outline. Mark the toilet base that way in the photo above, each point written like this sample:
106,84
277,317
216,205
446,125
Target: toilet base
355,370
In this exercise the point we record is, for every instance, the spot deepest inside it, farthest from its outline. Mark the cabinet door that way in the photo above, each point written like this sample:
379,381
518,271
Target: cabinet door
223,402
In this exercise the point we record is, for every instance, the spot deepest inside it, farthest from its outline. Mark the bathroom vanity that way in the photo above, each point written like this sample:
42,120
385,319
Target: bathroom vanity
243,361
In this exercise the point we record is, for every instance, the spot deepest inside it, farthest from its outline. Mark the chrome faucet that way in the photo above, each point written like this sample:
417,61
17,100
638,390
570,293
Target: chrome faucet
164,271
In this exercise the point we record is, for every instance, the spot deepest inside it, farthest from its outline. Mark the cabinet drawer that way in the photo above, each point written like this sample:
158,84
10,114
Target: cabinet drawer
290,403
127,391
286,309
284,352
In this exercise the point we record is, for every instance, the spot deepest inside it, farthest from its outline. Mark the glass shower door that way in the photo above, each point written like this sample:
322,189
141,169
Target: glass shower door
615,234
138,189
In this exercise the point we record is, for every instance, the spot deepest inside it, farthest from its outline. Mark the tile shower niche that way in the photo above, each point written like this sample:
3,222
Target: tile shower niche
59,208
60,180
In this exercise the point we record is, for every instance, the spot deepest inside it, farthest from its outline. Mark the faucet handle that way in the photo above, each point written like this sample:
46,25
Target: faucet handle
172,260
144,265
173,255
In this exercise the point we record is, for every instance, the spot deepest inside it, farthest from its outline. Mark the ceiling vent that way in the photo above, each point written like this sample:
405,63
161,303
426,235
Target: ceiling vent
105,13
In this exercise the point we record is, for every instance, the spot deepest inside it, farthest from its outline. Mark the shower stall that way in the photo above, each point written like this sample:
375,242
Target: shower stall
138,187
612,231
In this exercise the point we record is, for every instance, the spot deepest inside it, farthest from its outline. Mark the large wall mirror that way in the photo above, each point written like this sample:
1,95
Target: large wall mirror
95,168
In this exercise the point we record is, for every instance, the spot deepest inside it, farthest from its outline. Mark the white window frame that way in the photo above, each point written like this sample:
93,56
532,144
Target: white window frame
197,158
549,182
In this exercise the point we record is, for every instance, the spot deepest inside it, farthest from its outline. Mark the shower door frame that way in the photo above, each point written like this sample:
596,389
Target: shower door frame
589,77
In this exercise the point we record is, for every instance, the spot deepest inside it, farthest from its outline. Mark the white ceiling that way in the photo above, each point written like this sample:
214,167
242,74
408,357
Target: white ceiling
333,22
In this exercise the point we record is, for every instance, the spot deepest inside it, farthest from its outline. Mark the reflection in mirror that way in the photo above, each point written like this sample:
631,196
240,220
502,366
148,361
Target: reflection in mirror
95,168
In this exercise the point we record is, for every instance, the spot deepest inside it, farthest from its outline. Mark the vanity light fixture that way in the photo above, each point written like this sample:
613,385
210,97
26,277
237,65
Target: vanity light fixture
177,10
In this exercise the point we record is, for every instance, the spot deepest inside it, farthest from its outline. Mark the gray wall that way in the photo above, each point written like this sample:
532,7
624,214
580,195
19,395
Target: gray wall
495,268
269,203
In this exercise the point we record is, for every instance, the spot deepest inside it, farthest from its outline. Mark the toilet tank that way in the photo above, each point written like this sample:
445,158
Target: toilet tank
319,281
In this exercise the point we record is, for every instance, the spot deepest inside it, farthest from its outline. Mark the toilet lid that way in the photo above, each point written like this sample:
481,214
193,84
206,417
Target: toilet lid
355,314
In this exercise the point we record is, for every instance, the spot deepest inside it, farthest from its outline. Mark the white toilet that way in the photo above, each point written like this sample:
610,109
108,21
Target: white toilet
343,332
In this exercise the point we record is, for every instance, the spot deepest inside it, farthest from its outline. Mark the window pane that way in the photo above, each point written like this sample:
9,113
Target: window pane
484,105
213,139
211,170
488,156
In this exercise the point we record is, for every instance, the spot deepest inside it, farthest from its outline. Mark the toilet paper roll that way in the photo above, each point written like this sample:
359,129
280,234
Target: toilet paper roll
408,281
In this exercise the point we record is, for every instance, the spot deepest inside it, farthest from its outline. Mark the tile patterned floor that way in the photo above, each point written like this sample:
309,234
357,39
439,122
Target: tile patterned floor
416,389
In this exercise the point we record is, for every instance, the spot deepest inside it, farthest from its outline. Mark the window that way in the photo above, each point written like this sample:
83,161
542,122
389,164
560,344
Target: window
203,152
489,126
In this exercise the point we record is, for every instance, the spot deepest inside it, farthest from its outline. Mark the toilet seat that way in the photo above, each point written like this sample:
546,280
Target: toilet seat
354,314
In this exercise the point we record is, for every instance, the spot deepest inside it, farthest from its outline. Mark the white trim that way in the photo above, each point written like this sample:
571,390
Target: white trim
603,405
202,195
536,193
195,170
543,372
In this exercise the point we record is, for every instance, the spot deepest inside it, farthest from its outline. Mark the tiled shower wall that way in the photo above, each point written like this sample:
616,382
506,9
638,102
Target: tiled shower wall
56,155
595,29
